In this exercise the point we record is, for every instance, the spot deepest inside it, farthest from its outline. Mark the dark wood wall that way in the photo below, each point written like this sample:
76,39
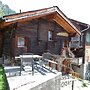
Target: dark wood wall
6,43
37,33
1,43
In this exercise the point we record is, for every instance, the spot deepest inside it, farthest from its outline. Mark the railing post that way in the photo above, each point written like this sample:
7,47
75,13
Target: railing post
72,84
57,66
32,67
50,64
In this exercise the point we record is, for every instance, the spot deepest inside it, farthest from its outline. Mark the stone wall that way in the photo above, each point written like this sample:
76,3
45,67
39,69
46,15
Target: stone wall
52,84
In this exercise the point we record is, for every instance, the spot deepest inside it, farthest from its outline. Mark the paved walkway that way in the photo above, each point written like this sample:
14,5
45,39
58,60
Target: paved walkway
27,81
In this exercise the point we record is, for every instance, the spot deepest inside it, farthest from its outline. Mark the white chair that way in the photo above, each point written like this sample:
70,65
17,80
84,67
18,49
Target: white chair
26,61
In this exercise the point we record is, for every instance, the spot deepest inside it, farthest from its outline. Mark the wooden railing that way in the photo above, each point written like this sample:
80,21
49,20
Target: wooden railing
57,66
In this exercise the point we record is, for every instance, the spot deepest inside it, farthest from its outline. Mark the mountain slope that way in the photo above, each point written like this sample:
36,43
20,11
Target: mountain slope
5,10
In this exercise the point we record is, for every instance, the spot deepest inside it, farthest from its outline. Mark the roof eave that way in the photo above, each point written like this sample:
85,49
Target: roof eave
40,13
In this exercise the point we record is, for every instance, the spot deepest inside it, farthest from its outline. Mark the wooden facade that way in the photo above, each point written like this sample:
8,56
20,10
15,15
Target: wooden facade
36,31
35,34
1,37
1,43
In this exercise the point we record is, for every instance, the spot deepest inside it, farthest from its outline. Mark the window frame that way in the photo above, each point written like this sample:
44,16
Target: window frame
25,41
21,43
88,38
50,36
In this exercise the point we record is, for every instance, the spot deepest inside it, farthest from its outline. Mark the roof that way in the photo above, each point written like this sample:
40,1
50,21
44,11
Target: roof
80,25
53,13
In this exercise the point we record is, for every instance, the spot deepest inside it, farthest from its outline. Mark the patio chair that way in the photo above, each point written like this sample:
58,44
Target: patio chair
26,61
46,57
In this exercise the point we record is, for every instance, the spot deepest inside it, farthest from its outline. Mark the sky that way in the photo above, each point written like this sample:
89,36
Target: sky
74,9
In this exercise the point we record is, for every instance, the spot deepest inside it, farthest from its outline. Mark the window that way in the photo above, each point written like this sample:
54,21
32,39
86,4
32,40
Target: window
21,41
75,41
50,35
88,38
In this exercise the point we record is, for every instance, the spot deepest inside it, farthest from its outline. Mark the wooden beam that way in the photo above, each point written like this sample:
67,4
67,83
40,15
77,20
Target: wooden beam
72,34
49,16
62,22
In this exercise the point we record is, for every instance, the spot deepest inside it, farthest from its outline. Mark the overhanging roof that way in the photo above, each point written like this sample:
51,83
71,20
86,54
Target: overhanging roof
52,13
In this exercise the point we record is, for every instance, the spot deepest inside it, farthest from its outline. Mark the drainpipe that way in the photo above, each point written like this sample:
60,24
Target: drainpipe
88,26
84,30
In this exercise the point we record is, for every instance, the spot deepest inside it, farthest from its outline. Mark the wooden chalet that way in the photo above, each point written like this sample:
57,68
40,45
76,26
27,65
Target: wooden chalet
35,32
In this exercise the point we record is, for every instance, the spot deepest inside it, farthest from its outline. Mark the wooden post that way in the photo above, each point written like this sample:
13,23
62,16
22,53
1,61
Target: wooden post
50,64
57,66
32,66
73,85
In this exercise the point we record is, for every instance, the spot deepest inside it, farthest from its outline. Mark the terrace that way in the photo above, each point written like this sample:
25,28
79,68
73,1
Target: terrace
38,74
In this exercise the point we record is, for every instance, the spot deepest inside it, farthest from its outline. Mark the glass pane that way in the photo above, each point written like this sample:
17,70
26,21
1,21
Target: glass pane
50,35
88,38
21,42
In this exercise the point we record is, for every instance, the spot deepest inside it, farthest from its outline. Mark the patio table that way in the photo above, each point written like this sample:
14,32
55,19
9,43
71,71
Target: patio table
31,58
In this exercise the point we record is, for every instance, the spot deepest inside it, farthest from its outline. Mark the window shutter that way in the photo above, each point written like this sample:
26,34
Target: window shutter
16,41
26,41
